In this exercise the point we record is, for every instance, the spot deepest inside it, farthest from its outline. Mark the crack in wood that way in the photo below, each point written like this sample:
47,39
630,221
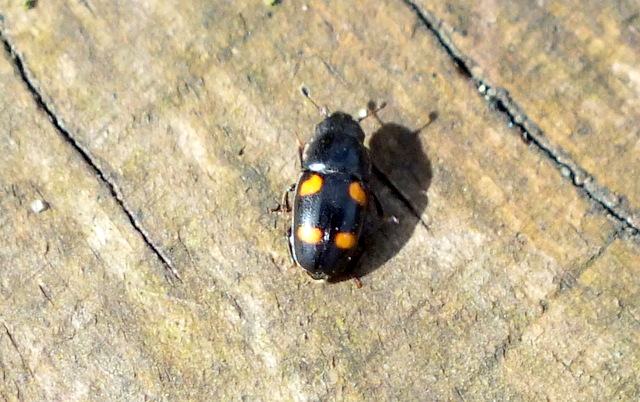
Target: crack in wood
500,97
15,345
569,279
515,335
398,194
17,62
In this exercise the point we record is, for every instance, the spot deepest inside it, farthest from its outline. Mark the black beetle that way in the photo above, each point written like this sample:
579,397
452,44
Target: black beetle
332,197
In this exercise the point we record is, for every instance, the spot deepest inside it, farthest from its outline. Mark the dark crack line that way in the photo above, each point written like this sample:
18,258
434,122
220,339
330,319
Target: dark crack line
569,280
514,335
113,189
398,194
15,345
501,99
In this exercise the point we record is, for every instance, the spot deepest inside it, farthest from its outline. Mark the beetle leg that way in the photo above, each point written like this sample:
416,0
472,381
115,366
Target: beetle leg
380,211
290,244
284,203
300,147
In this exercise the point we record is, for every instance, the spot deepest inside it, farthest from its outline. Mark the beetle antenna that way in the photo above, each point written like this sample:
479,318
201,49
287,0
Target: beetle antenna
372,110
322,110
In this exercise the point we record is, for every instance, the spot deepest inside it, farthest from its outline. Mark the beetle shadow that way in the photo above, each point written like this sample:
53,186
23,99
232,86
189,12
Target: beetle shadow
402,175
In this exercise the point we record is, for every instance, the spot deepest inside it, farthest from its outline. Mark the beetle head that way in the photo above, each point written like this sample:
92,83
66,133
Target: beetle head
340,122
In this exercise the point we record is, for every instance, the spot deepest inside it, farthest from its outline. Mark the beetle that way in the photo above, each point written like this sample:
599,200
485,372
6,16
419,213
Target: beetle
332,197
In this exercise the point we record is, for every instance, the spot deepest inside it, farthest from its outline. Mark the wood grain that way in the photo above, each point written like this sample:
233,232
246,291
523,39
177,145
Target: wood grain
159,133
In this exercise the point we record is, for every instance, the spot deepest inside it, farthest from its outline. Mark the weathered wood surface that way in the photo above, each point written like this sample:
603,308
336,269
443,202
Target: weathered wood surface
569,74
158,134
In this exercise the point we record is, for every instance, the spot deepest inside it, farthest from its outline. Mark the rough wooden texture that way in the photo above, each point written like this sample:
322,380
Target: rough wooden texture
569,74
158,134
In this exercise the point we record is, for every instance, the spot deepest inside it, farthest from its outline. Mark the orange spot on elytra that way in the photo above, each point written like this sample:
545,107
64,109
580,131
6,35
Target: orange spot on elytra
310,186
345,240
309,234
357,193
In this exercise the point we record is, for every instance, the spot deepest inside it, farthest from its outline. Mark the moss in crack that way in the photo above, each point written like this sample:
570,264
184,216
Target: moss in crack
29,4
